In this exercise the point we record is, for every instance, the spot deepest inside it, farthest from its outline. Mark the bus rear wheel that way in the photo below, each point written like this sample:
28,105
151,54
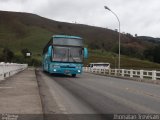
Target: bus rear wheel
73,75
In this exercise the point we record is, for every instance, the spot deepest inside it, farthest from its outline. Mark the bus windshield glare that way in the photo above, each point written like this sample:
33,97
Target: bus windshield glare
67,54
68,41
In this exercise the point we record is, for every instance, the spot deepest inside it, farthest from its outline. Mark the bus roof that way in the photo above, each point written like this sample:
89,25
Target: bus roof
66,36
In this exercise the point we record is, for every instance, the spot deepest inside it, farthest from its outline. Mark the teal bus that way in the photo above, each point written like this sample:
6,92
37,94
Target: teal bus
64,55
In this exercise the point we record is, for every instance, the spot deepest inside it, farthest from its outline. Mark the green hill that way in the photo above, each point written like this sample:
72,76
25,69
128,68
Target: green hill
25,30
19,30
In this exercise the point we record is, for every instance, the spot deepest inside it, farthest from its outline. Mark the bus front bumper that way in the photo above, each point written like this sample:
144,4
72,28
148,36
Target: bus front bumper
66,71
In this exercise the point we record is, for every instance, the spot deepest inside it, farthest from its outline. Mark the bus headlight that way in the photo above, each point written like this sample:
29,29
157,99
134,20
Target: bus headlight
79,71
54,70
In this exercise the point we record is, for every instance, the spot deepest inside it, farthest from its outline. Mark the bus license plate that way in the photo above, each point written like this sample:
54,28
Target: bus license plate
66,71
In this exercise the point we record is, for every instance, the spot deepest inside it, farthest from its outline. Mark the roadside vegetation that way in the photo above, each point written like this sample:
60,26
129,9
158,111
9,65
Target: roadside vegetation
6,55
126,61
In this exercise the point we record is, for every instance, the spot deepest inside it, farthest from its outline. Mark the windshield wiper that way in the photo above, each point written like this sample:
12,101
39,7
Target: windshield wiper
70,55
72,58
64,56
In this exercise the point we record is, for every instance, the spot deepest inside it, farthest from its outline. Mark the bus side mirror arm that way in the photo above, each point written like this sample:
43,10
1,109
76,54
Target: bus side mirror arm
85,53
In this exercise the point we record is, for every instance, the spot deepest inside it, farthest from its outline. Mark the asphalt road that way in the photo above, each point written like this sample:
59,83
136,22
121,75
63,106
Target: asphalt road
94,94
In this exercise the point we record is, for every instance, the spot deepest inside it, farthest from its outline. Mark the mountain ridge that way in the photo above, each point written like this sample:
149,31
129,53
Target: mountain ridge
24,30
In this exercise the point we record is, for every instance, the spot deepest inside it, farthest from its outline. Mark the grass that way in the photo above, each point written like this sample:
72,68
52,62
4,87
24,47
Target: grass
35,39
126,62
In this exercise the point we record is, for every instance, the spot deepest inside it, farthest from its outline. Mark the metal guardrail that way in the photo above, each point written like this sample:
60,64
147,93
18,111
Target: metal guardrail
153,75
9,69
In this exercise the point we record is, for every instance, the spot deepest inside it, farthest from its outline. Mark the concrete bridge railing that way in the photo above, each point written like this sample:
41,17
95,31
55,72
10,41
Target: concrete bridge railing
150,74
9,69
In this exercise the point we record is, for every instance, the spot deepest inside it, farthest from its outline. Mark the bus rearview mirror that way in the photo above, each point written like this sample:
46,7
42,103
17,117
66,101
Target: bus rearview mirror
85,53
50,51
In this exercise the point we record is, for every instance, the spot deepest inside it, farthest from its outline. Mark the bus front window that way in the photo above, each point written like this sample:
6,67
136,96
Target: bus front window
67,54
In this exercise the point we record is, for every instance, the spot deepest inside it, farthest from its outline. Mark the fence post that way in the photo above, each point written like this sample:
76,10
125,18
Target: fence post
118,72
88,69
2,71
154,75
104,71
123,72
109,71
85,69
91,70
141,74
115,72
97,70
131,73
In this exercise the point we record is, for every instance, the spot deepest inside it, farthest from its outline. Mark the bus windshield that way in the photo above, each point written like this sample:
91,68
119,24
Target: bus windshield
67,54
68,41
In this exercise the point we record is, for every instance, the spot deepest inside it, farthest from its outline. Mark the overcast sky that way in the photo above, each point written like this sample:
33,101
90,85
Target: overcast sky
140,17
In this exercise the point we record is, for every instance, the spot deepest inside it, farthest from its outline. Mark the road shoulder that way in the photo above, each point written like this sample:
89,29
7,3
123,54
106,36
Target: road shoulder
19,94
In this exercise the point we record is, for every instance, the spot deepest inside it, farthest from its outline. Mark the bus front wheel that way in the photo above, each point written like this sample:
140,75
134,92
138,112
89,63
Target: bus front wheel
73,75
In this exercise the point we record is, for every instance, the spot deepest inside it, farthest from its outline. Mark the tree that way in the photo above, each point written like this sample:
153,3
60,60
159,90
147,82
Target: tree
153,54
7,55
148,53
24,51
156,55
136,35
59,26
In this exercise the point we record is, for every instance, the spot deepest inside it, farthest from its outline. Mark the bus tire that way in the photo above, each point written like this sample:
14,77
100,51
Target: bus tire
73,75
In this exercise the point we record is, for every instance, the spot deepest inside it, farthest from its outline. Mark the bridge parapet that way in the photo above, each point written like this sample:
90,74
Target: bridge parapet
9,69
142,74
